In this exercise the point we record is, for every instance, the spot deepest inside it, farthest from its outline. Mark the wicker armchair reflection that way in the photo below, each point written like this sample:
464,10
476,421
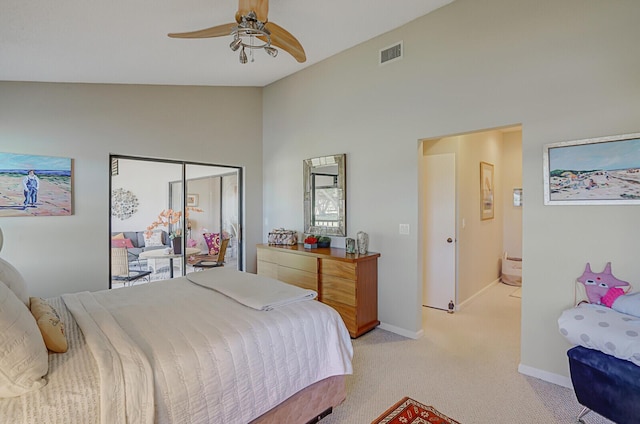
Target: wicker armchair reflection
121,270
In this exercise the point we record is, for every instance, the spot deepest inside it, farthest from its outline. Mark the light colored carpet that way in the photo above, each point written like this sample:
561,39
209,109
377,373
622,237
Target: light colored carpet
465,366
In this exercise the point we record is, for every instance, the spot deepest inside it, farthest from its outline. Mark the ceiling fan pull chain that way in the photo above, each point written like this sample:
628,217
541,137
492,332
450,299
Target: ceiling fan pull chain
251,41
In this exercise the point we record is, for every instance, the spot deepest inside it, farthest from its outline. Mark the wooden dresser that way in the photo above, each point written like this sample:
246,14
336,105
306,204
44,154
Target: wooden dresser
346,282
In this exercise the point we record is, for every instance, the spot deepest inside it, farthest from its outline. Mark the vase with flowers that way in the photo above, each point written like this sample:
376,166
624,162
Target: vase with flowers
310,242
172,220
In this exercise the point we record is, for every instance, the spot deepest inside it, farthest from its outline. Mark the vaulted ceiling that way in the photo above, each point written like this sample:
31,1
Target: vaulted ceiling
125,41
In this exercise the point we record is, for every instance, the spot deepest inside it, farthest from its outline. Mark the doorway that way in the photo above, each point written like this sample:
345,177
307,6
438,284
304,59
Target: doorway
479,242
152,213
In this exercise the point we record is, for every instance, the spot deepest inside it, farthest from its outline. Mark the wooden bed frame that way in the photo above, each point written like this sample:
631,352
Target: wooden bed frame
309,405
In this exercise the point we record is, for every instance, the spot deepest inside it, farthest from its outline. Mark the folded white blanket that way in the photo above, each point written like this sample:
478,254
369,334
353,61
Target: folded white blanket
255,291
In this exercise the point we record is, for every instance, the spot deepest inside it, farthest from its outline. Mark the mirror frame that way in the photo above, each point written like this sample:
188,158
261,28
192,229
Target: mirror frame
308,166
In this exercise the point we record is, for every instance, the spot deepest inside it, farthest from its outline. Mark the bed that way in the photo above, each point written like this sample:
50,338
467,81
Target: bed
605,361
182,351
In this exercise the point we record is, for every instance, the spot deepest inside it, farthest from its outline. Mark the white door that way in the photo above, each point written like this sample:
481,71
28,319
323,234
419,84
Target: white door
440,231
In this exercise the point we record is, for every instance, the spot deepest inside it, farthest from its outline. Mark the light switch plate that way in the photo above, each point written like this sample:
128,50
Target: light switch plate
404,229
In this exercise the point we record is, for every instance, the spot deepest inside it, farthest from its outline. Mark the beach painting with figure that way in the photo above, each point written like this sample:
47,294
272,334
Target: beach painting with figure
33,185
598,171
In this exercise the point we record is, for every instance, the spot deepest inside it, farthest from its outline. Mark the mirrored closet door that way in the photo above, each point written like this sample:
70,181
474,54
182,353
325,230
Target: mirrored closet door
159,230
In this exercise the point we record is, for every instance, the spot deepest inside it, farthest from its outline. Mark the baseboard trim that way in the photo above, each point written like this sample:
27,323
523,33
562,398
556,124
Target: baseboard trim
401,331
493,283
547,376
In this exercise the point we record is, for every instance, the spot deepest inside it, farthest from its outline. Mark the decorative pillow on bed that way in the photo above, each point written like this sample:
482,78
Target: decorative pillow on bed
13,279
154,240
50,325
23,355
213,242
122,243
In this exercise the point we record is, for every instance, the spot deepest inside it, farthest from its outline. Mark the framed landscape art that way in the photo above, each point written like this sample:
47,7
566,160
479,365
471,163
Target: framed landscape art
33,185
596,171
486,191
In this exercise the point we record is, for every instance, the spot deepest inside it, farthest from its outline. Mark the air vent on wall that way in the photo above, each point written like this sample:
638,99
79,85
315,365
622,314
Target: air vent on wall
391,53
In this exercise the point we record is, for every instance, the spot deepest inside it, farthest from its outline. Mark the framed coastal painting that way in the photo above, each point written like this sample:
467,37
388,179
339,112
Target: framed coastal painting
486,191
595,171
34,185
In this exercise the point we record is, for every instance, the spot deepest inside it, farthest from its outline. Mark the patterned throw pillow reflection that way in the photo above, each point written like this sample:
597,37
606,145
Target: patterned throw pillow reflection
213,242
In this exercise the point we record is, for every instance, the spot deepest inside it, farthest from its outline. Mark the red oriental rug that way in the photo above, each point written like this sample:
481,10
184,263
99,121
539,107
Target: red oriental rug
409,411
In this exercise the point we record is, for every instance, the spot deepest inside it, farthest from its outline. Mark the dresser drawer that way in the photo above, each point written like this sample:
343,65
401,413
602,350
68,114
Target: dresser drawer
348,314
335,289
267,269
267,255
338,269
301,262
304,279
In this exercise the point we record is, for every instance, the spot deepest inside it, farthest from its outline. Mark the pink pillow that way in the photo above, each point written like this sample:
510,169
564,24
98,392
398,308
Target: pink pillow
213,242
122,243
612,294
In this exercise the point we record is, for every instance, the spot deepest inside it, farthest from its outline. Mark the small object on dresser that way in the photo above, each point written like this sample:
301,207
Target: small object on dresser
310,242
350,245
363,242
324,241
280,236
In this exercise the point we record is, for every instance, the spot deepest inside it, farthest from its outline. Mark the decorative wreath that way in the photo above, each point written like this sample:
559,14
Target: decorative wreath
123,203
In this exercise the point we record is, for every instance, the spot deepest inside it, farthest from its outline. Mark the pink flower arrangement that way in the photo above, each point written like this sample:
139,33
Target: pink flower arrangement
170,217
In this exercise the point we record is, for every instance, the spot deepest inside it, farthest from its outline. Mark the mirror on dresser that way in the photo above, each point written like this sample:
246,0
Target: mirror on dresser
325,195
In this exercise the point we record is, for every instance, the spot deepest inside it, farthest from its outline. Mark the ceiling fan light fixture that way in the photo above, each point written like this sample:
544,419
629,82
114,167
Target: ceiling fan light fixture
243,56
247,32
236,43
271,51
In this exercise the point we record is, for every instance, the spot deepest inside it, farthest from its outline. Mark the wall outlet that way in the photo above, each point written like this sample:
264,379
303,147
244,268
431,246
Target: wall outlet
404,229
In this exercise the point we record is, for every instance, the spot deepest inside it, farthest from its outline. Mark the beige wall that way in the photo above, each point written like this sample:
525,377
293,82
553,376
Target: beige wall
511,178
564,70
87,122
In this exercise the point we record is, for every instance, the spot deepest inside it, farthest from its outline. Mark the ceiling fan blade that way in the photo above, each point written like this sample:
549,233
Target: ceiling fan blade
216,31
284,40
260,7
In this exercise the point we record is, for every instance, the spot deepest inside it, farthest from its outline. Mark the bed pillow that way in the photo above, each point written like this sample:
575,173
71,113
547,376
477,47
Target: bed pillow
122,243
13,279
213,242
155,239
50,325
23,355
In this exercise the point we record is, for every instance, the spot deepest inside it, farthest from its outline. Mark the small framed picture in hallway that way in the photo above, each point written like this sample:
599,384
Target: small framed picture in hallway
486,191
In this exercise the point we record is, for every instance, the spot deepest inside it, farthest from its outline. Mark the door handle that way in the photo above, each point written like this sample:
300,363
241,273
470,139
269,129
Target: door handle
449,240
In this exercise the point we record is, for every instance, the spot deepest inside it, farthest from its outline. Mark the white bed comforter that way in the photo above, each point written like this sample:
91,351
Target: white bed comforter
201,357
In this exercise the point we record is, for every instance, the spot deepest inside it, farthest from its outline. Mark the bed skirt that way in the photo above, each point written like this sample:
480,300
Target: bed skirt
308,403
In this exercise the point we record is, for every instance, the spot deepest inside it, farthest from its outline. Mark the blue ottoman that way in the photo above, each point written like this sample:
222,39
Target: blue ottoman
606,384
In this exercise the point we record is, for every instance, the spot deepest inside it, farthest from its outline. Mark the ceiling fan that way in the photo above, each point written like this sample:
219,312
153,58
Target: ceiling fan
251,24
